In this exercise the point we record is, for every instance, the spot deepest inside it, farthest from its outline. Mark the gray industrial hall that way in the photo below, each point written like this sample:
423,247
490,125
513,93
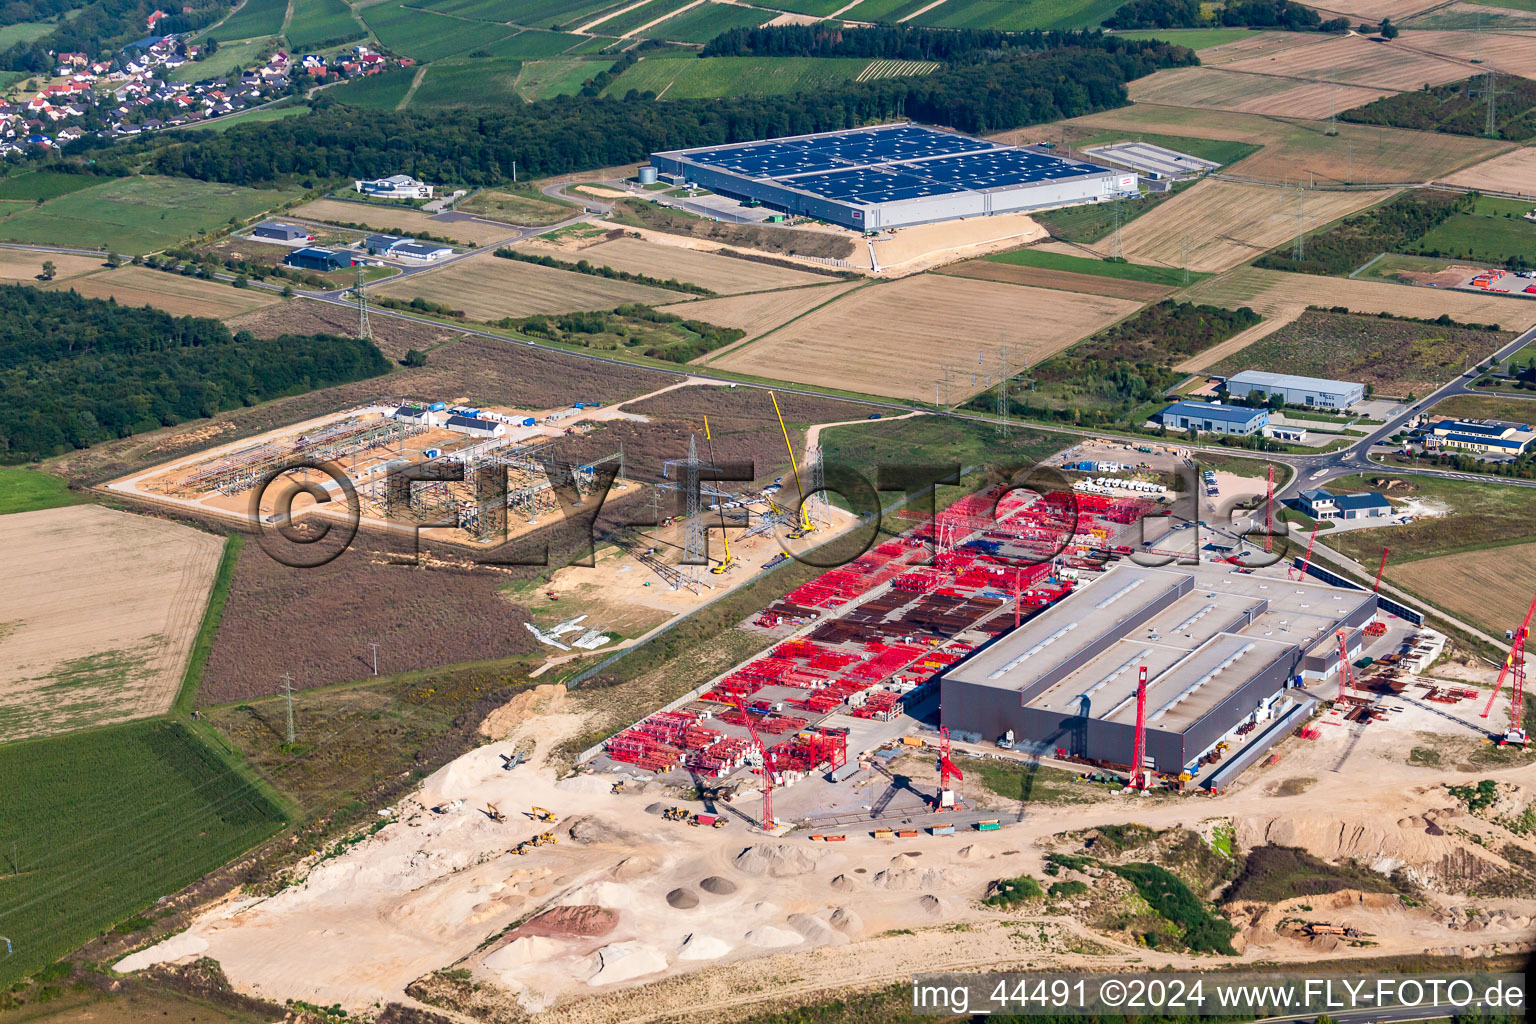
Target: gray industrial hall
1221,649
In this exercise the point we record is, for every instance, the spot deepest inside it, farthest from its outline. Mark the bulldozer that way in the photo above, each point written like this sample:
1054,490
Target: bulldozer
545,839
541,814
521,849
618,787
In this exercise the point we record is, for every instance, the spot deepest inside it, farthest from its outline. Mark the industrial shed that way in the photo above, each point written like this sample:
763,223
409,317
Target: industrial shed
894,175
1221,650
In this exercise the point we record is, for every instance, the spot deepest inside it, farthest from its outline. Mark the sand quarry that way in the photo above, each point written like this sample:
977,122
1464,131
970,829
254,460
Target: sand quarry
631,917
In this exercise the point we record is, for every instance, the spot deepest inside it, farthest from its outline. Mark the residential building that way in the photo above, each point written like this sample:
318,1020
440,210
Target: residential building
1214,418
396,186
1321,504
1312,392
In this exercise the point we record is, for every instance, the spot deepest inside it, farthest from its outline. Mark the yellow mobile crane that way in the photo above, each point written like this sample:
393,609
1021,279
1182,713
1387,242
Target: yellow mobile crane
806,526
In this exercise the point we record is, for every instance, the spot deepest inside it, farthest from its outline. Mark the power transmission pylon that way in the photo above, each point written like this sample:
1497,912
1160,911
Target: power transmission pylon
364,329
1114,238
1299,248
1184,245
1333,124
288,691
1003,402
816,500
693,531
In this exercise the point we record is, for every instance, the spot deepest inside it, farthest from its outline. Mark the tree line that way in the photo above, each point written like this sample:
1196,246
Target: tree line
1281,14
1456,108
77,371
1390,227
574,133
903,42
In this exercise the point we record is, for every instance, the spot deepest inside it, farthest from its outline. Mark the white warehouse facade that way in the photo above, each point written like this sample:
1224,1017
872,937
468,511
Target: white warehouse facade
1312,392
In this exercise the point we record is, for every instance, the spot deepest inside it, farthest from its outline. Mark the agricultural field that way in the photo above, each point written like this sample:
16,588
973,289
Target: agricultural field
885,339
543,79
1490,588
103,824
759,312
230,57
23,32
467,83
1358,153
1013,16
1058,280
813,8
624,22
1496,231
18,266
1475,16
1197,39
1356,60
702,23
317,23
532,44
255,19
1396,357
1228,223
683,78
398,220
726,275
1513,53
27,490
1489,407
1222,45
100,618
1082,265
139,215
517,204
35,185
384,91
1219,89
1275,292
1373,10
488,288
181,296
889,11
1514,171
426,36
224,124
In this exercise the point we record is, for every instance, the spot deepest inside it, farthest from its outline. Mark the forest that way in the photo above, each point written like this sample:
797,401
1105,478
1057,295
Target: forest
1456,108
77,371
1386,228
1282,14
902,42
575,133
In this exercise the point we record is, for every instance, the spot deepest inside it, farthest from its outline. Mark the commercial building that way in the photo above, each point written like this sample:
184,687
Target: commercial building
1321,504
380,245
1221,650
322,260
893,175
282,234
1485,437
396,186
1214,418
1313,392
425,252
475,426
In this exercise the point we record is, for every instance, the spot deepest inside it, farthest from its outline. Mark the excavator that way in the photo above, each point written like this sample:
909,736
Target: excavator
541,814
494,814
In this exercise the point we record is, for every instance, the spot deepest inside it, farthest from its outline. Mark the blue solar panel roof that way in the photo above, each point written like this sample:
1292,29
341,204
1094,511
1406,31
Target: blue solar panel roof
891,163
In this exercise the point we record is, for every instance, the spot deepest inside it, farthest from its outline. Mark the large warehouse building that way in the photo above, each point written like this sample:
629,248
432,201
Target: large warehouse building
1221,650
893,175
1316,392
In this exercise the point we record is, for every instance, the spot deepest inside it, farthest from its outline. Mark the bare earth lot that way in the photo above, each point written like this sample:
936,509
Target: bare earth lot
386,218
182,296
895,339
757,312
1273,291
1248,93
724,274
1229,222
98,615
489,288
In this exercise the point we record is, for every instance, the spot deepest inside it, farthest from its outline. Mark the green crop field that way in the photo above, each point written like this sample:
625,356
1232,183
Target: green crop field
134,216
427,36
27,490
254,19
541,79
816,8
531,44
1194,38
468,84
23,32
375,92
704,22
1494,232
1098,268
540,13
221,124
885,10
686,78
103,823
317,23
44,184
651,10
1223,151
231,57
1016,15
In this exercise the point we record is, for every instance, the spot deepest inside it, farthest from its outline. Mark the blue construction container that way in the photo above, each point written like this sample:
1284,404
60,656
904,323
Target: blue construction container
437,406
527,421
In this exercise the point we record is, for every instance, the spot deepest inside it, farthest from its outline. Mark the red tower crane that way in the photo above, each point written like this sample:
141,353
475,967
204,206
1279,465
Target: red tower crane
1514,667
1269,512
1381,569
767,767
1347,687
1139,749
946,766
1307,559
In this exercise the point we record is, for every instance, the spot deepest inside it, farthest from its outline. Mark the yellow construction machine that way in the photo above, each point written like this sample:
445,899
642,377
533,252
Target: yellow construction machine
541,814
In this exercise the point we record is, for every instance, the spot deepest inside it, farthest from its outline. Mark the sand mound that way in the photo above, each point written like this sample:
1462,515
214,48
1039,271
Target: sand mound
702,947
625,960
769,937
972,852
718,886
632,867
593,784
654,808
912,878
842,883
544,699
173,948
775,860
523,950
932,906
845,920
815,929
595,830
584,920
682,899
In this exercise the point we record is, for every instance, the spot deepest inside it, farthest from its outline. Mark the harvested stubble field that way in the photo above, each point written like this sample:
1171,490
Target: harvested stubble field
1229,222
489,288
182,296
1358,153
758,312
1258,44
1272,292
98,615
727,275
764,238
1059,280
391,218
27,267
893,339
1480,16
1396,356
1397,10
1512,53
1357,60
1489,588
1222,89
476,370
1514,171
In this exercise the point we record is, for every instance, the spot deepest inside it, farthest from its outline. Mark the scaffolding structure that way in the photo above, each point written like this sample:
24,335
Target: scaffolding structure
244,469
